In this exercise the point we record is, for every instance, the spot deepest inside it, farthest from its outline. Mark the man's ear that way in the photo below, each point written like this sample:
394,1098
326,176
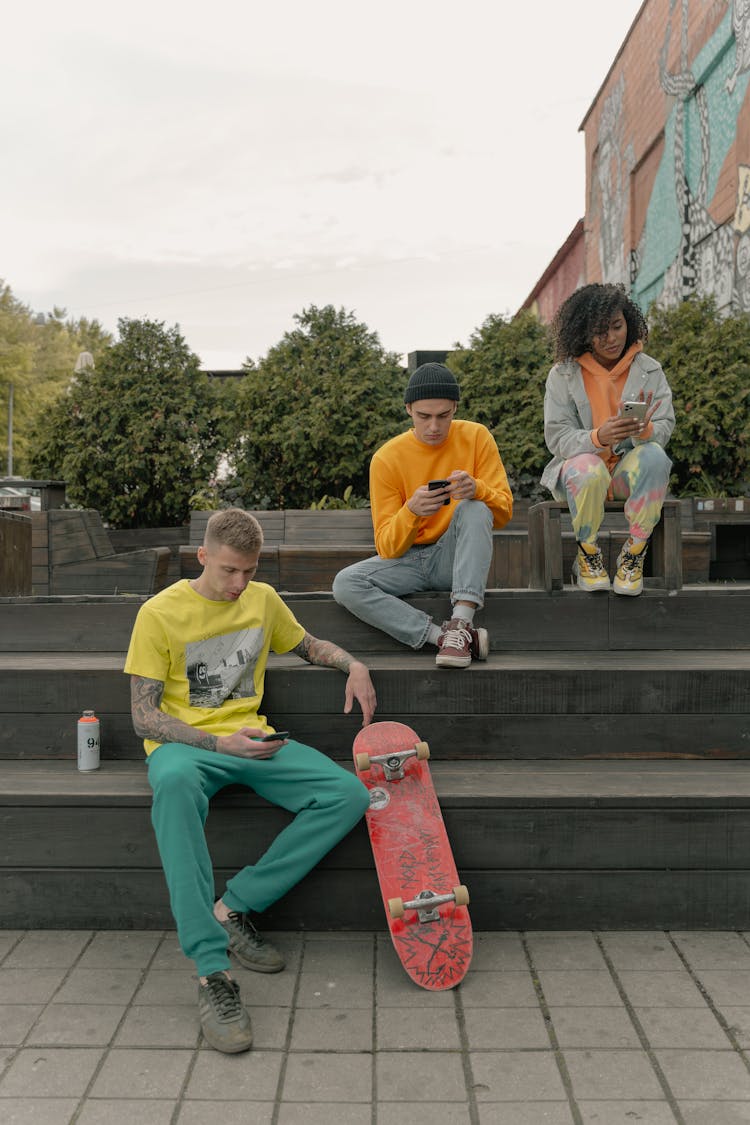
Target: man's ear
407,408
202,555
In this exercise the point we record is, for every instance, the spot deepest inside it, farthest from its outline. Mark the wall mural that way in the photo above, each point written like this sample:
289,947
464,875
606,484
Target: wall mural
682,250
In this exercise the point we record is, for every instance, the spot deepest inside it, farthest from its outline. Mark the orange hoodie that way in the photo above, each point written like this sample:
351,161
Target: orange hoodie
604,389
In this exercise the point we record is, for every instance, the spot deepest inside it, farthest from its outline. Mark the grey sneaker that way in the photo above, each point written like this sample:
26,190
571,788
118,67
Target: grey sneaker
249,947
224,1022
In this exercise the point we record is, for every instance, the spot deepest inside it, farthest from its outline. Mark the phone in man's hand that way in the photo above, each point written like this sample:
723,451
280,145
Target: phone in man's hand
434,485
276,736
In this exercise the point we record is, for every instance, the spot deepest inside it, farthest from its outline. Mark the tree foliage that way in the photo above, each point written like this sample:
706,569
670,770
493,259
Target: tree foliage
137,435
313,412
706,358
38,352
502,374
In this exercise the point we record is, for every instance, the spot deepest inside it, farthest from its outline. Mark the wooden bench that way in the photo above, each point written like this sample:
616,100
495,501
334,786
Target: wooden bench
727,521
305,549
71,553
15,554
549,561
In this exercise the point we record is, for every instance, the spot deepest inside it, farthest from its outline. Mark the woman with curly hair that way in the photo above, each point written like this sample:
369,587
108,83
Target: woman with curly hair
599,452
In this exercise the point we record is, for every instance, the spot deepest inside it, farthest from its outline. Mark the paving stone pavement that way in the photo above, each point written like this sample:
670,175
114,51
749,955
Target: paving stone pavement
101,1028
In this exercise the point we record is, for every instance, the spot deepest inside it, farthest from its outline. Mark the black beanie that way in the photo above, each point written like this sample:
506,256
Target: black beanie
431,380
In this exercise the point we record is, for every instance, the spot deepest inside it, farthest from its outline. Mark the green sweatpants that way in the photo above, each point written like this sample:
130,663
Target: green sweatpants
327,800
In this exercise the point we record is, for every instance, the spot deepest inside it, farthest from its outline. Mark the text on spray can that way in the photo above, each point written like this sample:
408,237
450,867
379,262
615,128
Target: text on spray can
88,741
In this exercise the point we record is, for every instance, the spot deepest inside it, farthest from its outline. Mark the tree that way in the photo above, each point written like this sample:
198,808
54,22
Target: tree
37,354
16,364
706,358
502,374
137,435
315,409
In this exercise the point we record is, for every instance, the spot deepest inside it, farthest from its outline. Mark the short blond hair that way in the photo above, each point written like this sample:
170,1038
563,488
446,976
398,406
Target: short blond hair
235,528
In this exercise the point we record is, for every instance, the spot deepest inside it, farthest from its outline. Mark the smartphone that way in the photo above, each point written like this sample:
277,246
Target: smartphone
433,485
277,736
634,410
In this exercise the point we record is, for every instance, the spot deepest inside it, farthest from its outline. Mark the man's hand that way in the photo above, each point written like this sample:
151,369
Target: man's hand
425,502
463,486
359,686
244,744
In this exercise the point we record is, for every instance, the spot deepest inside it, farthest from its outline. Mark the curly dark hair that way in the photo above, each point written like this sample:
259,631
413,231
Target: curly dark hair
587,313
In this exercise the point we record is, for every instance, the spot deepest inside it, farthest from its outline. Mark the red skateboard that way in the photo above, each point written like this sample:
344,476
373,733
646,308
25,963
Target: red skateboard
424,902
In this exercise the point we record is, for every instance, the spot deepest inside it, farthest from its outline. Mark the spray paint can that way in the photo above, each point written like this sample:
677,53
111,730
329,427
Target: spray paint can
88,741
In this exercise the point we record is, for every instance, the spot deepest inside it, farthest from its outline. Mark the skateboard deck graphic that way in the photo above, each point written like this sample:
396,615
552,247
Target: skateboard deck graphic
425,904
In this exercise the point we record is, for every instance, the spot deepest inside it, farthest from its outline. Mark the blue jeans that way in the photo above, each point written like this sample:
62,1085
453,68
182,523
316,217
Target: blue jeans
459,561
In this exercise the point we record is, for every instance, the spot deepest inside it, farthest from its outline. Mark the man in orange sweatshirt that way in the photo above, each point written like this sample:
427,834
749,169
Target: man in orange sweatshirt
436,491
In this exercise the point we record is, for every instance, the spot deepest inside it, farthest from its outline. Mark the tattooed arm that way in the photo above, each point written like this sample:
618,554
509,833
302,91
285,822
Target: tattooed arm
149,721
358,684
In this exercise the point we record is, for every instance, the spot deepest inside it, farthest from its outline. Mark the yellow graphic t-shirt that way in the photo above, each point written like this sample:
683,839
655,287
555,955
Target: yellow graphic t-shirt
211,656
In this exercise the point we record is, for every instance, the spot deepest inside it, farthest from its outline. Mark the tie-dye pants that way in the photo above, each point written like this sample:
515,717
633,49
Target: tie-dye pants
640,478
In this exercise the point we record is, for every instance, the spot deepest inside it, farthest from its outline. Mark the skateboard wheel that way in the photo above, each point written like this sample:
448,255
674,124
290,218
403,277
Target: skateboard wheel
423,751
461,895
363,762
396,907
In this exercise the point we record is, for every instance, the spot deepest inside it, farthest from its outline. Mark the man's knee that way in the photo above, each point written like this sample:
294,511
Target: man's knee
473,513
347,584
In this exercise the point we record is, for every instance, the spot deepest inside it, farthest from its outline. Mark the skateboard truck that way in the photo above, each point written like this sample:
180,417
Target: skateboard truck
426,904
393,764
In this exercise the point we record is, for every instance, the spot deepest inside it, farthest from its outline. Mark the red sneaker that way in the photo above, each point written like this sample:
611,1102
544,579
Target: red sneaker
454,644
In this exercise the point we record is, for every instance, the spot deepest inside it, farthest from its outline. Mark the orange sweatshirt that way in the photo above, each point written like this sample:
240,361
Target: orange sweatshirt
604,390
400,466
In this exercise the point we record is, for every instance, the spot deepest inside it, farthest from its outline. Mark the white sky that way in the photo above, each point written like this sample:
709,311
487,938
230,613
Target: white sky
222,165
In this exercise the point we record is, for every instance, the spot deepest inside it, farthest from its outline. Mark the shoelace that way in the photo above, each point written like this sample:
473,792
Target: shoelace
456,638
630,562
245,925
224,995
595,563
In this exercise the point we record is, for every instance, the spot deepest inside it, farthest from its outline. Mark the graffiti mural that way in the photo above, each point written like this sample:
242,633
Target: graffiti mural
681,248
612,168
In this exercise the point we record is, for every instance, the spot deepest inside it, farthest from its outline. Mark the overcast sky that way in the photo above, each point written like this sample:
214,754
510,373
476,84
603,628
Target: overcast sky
222,165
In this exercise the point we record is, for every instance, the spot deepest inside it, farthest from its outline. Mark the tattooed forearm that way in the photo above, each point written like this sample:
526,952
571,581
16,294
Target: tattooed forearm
324,653
149,721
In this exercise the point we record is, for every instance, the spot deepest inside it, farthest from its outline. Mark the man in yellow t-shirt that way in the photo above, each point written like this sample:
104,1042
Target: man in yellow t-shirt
197,661
437,491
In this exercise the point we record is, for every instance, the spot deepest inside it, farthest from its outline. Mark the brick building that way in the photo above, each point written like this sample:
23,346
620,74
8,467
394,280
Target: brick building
667,142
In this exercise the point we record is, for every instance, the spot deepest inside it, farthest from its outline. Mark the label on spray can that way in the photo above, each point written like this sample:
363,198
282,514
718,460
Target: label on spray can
88,741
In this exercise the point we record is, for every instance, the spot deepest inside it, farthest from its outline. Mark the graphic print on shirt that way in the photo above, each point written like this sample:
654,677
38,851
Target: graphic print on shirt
222,668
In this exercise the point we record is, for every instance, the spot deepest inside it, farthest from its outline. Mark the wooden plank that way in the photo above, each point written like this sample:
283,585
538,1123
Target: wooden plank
312,567
70,537
94,624
272,523
694,619
329,526
554,683
87,898
496,785
15,554
520,839
459,736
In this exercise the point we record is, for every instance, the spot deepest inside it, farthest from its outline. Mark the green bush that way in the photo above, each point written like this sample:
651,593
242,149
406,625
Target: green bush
706,358
313,412
138,435
502,374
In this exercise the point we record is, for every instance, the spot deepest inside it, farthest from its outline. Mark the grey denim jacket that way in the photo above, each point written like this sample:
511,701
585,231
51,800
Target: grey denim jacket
567,411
